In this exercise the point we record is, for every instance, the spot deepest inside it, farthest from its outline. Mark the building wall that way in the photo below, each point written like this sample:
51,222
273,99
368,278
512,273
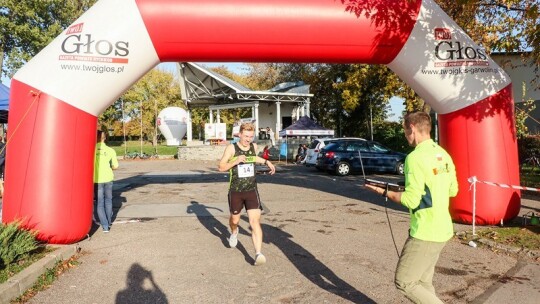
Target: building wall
268,112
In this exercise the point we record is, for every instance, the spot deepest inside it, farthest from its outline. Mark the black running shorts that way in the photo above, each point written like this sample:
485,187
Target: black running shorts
249,199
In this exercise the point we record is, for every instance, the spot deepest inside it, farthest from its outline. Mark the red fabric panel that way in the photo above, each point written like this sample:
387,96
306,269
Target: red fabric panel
49,166
482,141
278,30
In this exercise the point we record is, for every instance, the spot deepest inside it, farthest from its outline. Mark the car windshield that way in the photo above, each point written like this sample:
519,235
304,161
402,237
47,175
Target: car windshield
314,144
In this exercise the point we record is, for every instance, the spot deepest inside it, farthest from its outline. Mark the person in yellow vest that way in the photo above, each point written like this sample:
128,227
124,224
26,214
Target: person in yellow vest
240,159
104,164
430,181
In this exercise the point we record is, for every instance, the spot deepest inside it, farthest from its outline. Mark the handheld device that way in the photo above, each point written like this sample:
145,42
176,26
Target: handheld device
378,183
384,185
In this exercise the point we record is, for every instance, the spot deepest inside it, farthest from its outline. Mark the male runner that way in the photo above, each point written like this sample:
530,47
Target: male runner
240,159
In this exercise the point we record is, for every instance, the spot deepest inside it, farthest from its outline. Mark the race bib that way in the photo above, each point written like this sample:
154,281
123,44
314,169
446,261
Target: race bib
246,170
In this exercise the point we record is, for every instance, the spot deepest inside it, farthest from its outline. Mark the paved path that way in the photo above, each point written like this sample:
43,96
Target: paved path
326,241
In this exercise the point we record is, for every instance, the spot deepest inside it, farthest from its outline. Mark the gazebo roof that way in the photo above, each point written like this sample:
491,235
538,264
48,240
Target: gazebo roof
203,87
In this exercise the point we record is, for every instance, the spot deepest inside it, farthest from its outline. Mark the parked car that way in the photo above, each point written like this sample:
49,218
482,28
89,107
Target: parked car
314,148
343,157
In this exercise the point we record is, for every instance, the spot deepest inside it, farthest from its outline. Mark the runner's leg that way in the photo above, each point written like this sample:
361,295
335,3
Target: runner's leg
254,216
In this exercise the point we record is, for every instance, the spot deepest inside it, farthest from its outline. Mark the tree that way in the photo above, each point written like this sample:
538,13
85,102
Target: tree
523,111
325,106
261,76
500,25
28,26
142,103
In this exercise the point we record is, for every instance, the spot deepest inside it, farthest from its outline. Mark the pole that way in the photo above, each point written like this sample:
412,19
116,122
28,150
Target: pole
155,127
140,139
124,128
371,120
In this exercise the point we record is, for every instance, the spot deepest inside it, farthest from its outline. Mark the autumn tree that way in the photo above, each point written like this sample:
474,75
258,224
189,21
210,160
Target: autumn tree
142,104
498,26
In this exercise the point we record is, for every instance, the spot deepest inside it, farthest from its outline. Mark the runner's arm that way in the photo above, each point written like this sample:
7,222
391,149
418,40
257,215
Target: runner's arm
263,161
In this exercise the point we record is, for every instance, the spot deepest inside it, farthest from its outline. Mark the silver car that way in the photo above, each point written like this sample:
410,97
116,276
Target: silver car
313,150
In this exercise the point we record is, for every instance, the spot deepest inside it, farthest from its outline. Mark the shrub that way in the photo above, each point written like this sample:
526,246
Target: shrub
15,243
528,146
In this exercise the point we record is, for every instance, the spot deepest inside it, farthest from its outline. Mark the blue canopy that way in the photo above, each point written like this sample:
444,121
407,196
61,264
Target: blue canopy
4,103
305,126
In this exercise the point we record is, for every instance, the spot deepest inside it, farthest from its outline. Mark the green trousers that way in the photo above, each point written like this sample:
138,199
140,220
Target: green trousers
415,269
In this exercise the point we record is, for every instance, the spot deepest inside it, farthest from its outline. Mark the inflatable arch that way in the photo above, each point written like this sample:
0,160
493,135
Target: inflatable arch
57,96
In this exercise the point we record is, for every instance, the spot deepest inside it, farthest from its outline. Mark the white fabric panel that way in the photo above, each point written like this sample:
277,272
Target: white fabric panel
444,66
96,59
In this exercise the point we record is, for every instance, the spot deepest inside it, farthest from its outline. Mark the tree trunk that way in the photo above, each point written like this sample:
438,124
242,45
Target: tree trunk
1,63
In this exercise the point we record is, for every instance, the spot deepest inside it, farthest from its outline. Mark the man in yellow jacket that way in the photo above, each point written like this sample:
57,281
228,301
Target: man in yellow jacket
104,164
430,181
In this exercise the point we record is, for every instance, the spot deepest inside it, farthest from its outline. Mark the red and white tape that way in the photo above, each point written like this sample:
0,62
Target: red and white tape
473,180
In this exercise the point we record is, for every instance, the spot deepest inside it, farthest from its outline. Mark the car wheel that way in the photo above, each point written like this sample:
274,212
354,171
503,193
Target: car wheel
343,169
400,168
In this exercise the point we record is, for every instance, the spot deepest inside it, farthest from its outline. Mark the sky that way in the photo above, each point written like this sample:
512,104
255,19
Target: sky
396,104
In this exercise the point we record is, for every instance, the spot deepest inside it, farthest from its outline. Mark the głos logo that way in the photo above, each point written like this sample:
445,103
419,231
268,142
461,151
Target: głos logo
454,50
79,44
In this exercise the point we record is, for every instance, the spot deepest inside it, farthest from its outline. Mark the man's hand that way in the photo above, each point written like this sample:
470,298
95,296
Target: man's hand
375,189
240,159
271,166
391,195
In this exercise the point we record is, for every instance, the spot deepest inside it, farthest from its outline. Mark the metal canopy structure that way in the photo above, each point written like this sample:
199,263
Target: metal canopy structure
202,87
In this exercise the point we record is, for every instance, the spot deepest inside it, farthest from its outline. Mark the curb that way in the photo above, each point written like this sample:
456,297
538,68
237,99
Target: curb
19,283
509,249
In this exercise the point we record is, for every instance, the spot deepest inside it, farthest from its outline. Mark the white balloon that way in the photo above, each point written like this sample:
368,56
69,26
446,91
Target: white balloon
172,122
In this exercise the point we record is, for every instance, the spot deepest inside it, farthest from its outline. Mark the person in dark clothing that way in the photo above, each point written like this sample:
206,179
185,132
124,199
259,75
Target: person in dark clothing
301,153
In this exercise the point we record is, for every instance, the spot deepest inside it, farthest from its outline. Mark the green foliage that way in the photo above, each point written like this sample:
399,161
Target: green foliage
523,110
23,262
15,242
28,26
500,25
528,146
391,135
326,105
516,236
135,146
141,104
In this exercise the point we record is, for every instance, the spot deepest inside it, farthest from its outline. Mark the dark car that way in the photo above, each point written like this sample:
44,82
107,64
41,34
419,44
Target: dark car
343,157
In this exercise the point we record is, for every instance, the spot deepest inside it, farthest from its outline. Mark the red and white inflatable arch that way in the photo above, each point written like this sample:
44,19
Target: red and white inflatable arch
56,97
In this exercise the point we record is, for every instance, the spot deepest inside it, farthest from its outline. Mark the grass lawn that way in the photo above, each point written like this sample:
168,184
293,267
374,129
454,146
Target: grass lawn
147,148
515,233
519,236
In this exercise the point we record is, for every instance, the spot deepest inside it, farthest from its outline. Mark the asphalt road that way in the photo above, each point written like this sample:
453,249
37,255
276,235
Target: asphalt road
325,238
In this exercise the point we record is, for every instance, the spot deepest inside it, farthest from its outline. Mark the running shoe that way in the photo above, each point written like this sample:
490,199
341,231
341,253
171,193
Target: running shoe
259,259
233,239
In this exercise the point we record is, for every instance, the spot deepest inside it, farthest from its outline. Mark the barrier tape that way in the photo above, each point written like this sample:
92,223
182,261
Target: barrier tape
473,180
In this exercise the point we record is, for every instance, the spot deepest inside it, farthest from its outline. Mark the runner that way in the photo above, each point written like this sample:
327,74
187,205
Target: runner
240,159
